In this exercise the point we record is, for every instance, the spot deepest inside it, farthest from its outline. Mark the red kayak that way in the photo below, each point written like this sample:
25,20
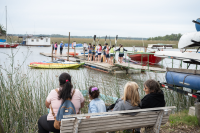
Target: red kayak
8,45
143,58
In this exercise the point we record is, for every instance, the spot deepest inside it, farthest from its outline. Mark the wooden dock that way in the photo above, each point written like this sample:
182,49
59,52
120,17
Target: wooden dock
57,55
139,67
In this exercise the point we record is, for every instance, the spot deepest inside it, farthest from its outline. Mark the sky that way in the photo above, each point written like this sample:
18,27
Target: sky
125,18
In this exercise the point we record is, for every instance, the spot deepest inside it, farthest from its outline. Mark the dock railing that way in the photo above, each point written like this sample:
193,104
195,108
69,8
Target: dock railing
127,53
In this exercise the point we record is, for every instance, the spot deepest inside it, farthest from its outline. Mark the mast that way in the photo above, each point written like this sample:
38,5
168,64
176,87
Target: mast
6,24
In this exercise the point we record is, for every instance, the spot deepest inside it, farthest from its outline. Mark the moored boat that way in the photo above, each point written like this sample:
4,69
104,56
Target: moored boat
144,59
6,45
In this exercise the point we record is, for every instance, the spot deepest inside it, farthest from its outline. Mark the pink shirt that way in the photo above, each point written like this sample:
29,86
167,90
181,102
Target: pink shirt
52,98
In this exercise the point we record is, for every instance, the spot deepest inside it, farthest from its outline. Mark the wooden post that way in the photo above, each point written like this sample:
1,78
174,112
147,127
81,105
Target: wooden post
84,52
52,53
68,48
74,51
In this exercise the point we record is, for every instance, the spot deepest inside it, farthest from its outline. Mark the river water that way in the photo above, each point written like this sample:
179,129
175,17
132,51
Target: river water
82,77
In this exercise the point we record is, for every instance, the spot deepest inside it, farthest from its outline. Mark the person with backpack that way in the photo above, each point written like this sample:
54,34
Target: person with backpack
55,99
96,105
61,47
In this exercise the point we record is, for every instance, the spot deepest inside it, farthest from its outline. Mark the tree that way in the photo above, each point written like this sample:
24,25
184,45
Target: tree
2,30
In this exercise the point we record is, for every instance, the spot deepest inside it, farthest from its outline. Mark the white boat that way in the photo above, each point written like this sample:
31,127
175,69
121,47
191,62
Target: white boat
178,55
189,40
37,41
160,45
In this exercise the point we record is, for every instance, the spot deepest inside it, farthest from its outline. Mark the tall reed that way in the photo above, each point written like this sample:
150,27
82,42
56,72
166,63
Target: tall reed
23,91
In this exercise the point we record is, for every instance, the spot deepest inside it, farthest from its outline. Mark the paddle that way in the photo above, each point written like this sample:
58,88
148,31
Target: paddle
94,40
116,41
110,41
105,39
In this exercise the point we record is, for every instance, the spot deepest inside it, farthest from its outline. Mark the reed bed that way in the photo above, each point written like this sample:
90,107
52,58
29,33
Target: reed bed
23,92
124,42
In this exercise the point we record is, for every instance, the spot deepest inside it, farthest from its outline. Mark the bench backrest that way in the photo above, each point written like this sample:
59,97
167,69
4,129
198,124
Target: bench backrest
112,121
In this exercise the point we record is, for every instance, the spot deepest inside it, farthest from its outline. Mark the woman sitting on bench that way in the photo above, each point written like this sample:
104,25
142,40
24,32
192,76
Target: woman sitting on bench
131,98
54,99
154,95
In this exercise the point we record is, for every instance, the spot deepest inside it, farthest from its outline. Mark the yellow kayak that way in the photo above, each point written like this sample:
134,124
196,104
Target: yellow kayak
54,65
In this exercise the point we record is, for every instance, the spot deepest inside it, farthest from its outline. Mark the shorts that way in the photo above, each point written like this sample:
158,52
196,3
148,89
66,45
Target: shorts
99,53
121,55
93,53
107,55
104,53
55,48
90,52
111,55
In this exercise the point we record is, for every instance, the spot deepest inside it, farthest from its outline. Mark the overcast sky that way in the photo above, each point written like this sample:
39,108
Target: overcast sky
125,18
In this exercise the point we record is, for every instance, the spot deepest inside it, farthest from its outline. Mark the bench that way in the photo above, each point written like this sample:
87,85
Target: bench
116,120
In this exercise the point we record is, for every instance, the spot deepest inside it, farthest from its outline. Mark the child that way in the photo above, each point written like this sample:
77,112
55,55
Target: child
96,105
107,53
99,49
93,52
112,54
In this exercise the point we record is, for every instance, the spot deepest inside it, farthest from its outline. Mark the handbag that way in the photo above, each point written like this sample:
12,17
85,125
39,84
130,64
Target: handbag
57,123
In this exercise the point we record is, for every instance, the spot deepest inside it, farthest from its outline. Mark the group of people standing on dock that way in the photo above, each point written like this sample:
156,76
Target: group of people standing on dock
154,97
95,53
55,47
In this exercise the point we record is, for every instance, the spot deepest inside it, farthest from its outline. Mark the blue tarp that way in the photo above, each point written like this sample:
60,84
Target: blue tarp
77,45
2,40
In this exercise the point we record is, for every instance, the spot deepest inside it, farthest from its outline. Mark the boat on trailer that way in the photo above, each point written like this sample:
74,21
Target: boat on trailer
177,78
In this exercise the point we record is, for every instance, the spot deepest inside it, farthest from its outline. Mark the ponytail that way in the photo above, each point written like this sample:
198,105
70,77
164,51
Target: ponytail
66,87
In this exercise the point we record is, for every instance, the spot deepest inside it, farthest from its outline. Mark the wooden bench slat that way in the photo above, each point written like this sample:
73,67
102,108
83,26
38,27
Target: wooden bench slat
118,124
68,127
121,112
66,131
116,119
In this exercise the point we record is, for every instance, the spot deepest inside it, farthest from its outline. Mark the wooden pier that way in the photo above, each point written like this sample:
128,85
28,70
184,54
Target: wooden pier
57,55
139,67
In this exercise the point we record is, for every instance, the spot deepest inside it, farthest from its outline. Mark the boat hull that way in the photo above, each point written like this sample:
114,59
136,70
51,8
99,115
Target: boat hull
183,79
143,58
8,46
56,66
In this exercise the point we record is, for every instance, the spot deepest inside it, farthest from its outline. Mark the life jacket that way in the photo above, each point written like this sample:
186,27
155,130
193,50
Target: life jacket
93,49
55,45
107,50
99,49
111,51
121,51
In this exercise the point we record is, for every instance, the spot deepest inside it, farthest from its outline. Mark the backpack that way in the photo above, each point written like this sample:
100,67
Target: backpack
66,108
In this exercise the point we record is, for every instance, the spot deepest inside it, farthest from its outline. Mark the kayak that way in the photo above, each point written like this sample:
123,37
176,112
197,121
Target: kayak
72,53
56,66
47,63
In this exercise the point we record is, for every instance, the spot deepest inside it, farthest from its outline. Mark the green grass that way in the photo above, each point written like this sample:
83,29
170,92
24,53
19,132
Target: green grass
182,118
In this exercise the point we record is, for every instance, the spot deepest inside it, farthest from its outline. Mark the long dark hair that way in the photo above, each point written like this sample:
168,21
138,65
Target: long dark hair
153,86
66,85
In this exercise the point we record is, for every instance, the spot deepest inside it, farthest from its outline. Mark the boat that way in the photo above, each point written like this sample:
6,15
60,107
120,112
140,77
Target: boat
55,62
188,40
143,58
56,66
160,45
30,40
71,53
3,42
78,46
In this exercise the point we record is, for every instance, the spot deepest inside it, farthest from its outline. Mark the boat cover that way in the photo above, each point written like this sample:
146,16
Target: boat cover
187,80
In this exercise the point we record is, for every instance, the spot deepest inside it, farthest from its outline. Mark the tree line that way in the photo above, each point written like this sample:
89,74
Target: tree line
172,37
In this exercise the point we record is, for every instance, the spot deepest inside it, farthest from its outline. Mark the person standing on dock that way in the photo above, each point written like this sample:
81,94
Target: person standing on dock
99,49
107,53
90,52
93,52
104,51
61,47
111,52
121,53
55,46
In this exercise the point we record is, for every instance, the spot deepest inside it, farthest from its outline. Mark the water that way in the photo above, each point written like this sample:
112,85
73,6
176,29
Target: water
25,55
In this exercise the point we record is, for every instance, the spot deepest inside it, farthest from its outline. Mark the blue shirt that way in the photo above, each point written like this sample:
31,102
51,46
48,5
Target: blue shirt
96,106
61,45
